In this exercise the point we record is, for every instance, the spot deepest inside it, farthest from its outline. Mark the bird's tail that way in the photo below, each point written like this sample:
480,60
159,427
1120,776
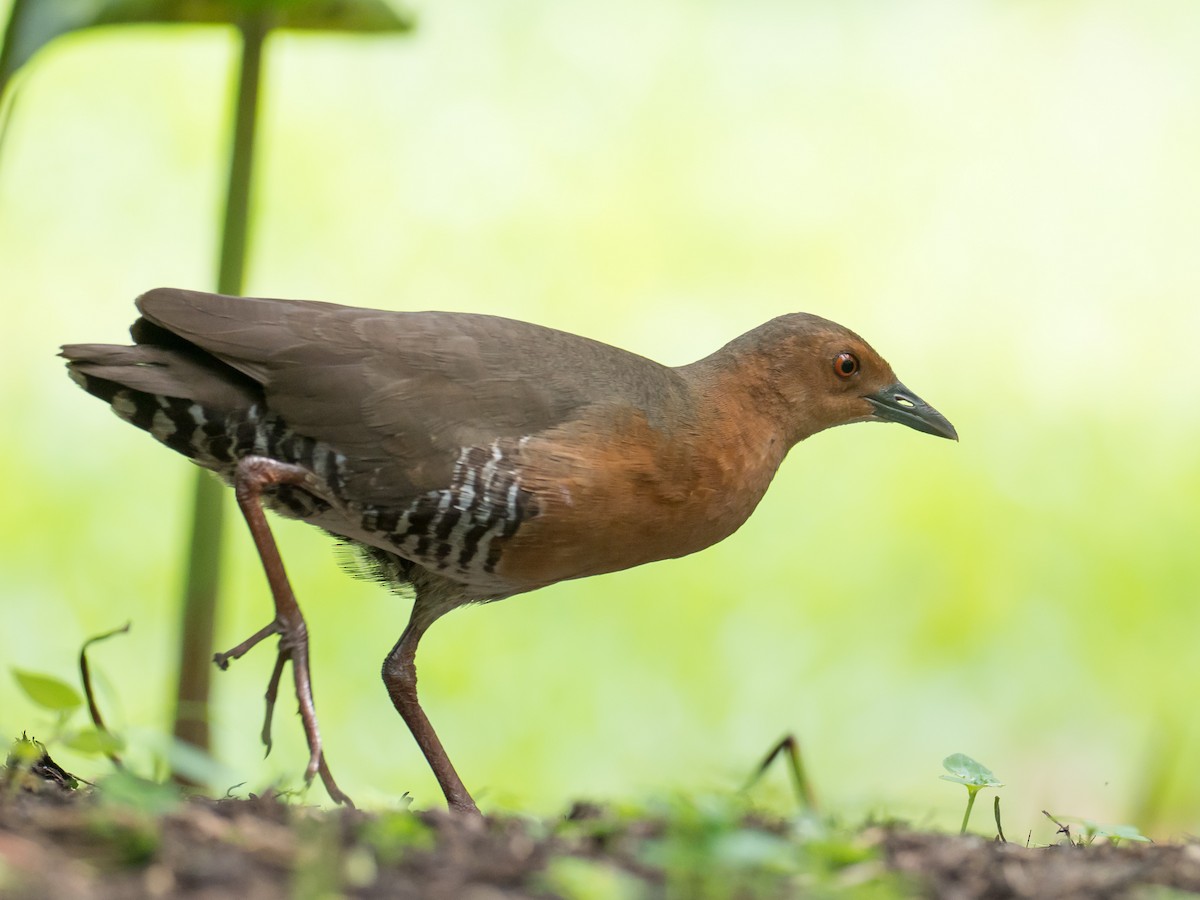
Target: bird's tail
187,399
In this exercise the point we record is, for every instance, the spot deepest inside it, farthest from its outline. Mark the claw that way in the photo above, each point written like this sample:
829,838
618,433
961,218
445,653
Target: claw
223,659
335,793
271,695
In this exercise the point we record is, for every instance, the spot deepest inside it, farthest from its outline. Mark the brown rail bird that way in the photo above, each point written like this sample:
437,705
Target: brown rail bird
471,457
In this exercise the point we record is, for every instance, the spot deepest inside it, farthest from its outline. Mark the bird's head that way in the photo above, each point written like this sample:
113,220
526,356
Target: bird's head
822,374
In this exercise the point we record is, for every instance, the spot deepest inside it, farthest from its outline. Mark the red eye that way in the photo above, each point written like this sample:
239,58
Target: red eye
845,365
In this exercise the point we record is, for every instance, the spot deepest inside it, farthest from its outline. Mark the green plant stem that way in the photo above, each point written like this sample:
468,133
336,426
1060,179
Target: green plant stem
800,782
8,75
232,266
8,46
970,803
85,675
791,748
198,624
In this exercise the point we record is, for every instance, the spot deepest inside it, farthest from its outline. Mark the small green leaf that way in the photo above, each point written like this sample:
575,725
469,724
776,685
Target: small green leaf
587,879
34,23
196,765
126,790
1093,829
395,834
964,770
95,741
181,757
46,691
1123,832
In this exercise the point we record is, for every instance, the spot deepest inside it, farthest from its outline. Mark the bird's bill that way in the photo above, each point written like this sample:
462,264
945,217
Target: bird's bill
898,404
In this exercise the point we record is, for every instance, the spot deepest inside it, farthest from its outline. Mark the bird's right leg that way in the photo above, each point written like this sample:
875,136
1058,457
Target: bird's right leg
400,676
253,475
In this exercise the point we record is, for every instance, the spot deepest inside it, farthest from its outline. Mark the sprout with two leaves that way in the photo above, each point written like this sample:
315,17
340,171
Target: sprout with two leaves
975,776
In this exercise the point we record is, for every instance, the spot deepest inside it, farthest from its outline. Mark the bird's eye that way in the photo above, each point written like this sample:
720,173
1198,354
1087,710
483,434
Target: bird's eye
846,364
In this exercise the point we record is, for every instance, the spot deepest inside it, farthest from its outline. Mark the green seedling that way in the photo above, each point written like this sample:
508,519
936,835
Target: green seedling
974,776
1090,830
1114,833
63,700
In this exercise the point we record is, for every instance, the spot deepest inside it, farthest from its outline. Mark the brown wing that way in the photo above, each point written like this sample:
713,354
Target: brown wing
399,393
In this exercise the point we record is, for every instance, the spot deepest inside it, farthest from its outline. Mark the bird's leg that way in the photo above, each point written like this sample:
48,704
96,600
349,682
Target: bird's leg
400,676
253,475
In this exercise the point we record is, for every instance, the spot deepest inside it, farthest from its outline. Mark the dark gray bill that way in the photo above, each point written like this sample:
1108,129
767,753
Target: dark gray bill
898,404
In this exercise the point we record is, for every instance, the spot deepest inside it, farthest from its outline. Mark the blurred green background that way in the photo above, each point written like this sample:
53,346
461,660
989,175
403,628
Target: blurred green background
1003,197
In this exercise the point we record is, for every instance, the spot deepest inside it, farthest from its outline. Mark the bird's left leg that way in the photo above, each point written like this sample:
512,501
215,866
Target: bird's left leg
253,475
400,676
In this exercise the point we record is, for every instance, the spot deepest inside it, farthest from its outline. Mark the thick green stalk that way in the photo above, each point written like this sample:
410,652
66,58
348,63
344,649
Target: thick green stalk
203,559
9,44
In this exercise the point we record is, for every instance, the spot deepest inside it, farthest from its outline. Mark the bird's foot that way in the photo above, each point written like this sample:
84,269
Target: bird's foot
293,648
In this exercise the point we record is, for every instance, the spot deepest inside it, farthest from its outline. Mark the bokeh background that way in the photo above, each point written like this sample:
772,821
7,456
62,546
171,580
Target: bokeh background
1003,197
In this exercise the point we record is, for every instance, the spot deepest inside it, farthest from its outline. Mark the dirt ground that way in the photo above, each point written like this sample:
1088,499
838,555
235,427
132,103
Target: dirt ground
134,844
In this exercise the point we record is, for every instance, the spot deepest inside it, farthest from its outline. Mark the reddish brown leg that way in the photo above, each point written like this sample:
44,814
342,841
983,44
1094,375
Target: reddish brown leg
253,475
400,676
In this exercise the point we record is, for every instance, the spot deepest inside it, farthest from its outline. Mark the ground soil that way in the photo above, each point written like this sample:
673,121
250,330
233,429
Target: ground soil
74,844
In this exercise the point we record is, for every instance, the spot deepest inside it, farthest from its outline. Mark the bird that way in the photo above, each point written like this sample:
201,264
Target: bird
467,458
